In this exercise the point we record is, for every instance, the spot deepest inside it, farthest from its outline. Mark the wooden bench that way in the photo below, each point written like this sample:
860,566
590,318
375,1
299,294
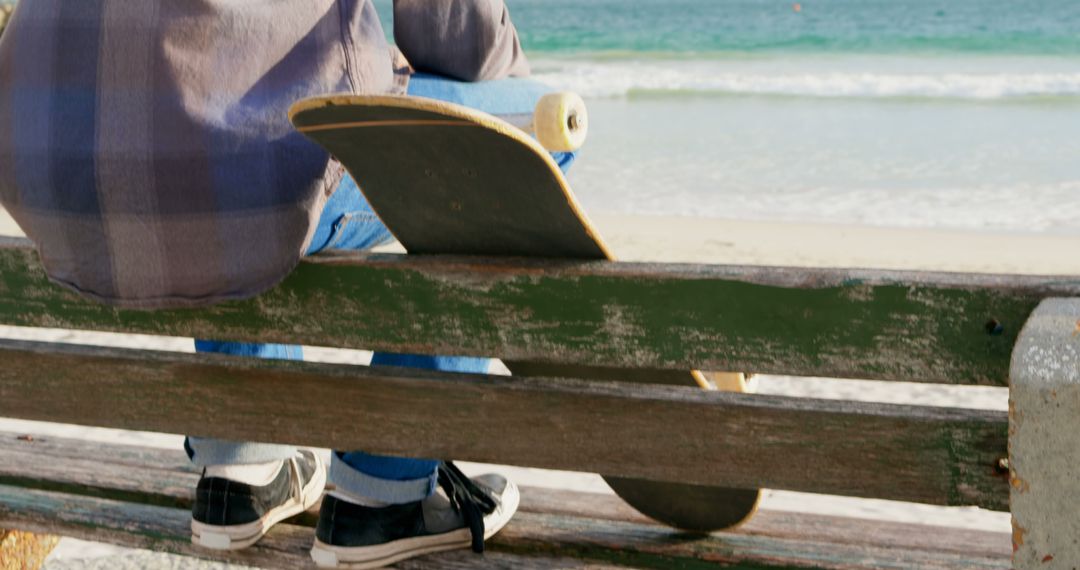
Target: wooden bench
884,325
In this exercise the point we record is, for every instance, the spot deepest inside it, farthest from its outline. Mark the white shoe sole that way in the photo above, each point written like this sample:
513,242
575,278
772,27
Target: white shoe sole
239,536
377,556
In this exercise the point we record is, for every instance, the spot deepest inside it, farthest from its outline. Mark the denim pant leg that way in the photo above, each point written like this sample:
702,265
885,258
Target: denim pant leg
347,222
205,451
334,222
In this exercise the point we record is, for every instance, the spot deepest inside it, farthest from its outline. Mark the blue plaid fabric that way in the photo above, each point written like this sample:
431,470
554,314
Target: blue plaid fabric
145,145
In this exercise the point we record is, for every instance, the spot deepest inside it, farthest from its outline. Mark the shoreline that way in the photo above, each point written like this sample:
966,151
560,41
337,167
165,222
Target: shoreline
718,241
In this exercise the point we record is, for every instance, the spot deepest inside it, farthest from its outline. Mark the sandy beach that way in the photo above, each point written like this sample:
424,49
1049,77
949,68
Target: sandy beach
700,241
706,240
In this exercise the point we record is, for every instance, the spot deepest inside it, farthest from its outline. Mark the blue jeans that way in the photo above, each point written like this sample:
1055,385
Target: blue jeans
348,223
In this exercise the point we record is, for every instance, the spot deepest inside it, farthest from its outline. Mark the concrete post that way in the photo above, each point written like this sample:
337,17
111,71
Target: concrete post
1044,438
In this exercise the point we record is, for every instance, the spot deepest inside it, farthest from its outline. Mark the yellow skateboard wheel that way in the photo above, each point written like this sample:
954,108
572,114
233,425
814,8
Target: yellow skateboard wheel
561,122
729,381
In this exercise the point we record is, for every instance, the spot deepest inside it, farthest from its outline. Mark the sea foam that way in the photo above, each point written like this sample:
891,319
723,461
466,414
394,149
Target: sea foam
720,78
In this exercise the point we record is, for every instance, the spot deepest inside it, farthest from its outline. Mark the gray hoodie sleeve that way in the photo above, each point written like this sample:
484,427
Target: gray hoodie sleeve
471,40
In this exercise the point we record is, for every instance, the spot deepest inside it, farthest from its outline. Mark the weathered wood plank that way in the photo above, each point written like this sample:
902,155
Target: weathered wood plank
138,477
103,479
911,326
797,526
532,540
137,526
122,455
931,455
647,545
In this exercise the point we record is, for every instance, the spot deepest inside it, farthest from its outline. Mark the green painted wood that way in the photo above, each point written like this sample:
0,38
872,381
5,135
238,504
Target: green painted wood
932,455
953,328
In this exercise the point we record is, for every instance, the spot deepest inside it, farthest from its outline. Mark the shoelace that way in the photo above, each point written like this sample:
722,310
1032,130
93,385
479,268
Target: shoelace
472,502
298,482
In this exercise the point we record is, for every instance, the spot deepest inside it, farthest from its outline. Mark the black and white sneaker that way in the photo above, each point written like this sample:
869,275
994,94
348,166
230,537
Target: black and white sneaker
228,515
463,512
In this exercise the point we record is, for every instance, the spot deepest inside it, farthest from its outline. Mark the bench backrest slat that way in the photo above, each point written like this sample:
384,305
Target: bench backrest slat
952,328
931,455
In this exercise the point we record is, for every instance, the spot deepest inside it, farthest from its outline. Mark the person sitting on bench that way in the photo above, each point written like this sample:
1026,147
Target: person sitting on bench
145,149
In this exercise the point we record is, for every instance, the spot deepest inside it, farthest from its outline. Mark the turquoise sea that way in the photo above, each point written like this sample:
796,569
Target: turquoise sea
733,27
931,113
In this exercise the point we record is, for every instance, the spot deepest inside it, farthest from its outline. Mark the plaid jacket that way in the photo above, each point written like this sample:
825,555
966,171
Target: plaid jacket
145,146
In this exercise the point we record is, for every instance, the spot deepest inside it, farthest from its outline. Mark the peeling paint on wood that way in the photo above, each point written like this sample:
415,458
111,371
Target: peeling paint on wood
838,323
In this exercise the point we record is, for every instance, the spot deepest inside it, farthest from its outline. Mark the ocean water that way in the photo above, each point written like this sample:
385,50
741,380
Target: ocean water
920,113
924,113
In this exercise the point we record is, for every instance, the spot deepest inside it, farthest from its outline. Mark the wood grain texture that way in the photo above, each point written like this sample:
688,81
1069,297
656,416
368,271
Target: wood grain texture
949,328
691,508
931,455
165,477
532,540
150,476
110,480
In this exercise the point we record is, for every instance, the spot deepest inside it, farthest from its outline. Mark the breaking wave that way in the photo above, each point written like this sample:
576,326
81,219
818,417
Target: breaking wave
627,79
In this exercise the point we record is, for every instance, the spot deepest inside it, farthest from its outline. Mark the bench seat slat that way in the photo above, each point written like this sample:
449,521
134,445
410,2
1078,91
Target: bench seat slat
99,478
939,456
165,477
532,540
555,528
889,325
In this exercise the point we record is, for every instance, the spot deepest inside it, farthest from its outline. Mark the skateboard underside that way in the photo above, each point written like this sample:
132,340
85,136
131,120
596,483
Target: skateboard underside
448,180
449,184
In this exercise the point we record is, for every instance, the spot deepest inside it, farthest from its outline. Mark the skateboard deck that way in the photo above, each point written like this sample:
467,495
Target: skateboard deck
446,179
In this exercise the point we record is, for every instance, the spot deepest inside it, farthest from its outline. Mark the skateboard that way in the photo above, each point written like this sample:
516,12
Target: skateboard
446,179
